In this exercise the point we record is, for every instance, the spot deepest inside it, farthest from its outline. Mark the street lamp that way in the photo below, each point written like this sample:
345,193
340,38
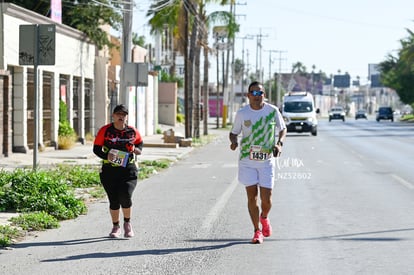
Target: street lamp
220,33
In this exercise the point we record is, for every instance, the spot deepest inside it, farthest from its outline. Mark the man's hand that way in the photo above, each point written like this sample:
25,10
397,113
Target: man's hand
277,150
233,140
233,146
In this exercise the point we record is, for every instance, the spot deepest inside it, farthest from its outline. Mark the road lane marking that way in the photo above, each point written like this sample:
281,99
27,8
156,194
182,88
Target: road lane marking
230,165
215,211
403,181
201,165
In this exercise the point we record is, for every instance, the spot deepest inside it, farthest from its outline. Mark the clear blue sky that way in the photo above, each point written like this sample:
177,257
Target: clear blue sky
332,35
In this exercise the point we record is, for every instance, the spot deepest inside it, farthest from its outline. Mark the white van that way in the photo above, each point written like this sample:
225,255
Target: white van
299,112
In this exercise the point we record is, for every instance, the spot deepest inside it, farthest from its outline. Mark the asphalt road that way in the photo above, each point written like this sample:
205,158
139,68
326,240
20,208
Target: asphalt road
343,204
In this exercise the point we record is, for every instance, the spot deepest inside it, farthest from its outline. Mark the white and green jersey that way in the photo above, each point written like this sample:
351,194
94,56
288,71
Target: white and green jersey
259,129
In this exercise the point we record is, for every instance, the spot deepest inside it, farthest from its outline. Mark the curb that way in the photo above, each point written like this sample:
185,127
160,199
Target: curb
161,145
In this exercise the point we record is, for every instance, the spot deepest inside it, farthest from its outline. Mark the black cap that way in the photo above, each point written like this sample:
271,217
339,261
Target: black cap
120,108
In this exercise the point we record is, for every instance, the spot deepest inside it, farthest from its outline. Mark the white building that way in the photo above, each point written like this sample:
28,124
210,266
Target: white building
79,78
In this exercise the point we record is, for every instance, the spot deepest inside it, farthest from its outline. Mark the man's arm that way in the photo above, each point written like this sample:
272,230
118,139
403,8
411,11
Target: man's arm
282,135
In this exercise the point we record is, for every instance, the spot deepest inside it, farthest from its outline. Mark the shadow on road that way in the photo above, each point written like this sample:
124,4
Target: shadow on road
64,243
166,251
220,244
356,236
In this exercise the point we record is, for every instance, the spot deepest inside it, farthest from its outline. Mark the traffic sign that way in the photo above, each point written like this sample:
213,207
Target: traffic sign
136,74
342,81
27,44
376,81
46,43
220,32
37,40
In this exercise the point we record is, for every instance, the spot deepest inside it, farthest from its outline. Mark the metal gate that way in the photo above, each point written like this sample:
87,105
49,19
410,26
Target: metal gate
46,111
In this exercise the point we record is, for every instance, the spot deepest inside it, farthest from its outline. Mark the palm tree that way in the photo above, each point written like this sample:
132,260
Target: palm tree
218,16
172,16
167,20
407,50
228,20
298,68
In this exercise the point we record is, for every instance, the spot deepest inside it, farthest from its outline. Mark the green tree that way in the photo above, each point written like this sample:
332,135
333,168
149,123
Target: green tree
138,40
397,72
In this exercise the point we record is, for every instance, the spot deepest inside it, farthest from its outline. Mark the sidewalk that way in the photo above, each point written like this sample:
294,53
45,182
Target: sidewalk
82,154
154,149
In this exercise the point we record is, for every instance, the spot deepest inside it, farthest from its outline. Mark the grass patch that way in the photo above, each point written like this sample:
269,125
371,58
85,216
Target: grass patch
35,221
8,234
40,190
79,176
150,167
44,197
407,118
203,140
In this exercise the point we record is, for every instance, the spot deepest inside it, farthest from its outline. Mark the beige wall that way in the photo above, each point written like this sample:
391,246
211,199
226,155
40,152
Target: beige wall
167,103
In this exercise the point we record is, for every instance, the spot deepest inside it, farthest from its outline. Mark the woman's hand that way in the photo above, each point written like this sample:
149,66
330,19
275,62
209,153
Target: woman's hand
137,151
111,156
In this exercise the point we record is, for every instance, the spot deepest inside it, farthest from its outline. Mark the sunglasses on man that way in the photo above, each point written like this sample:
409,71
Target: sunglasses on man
256,93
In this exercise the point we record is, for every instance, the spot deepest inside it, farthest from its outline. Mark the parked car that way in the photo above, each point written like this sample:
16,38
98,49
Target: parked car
337,112
361,114
385,113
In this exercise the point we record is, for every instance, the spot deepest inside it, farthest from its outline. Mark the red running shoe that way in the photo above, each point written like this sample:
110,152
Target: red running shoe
266,227
258,237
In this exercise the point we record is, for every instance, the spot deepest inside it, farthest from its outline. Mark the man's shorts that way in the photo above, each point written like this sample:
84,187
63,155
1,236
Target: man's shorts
262,174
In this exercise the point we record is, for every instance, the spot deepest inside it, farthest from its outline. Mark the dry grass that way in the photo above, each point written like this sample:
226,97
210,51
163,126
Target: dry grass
89,137
66,142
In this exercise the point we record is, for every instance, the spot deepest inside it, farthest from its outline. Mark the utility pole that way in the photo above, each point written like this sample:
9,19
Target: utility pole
247,67
218,85
259,58
186,76
269,91
231,95
126,50
248,36
279,79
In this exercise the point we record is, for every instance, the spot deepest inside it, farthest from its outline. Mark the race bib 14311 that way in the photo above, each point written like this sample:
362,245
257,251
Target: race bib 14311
258,153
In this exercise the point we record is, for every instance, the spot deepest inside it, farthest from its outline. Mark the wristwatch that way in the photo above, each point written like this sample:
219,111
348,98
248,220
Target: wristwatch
279,143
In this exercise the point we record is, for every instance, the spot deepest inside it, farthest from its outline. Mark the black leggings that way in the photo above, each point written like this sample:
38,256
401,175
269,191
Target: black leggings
119,184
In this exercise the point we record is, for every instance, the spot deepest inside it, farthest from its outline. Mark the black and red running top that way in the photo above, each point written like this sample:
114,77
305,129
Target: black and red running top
109,137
